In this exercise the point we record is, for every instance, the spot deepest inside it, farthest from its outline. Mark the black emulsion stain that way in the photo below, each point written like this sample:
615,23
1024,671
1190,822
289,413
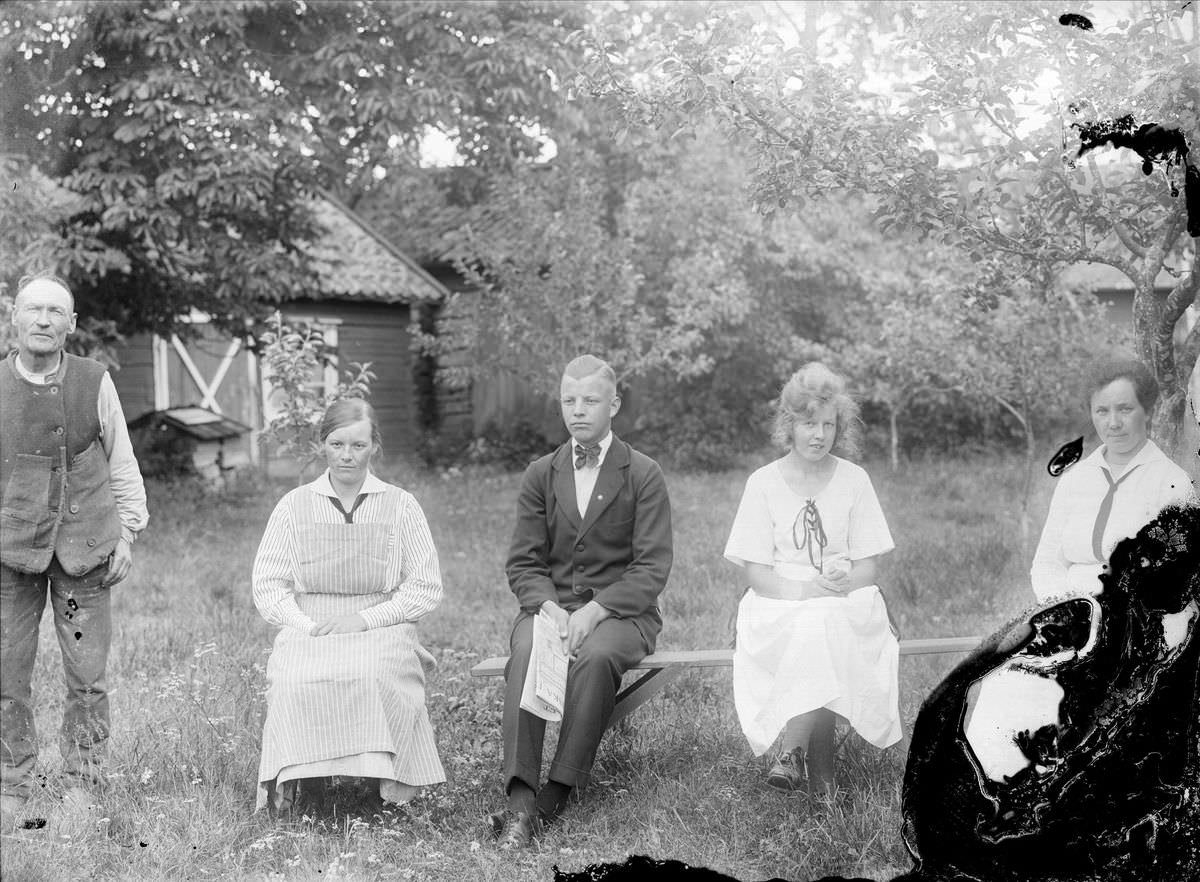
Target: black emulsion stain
1065,457
1153,143
1106,794
639,867
78,635
1074,20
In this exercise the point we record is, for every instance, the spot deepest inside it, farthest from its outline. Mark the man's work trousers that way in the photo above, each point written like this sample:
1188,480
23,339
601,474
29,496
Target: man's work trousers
615,646
83,623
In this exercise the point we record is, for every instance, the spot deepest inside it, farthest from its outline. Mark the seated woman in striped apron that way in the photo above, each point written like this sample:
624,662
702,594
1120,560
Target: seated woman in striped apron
346,567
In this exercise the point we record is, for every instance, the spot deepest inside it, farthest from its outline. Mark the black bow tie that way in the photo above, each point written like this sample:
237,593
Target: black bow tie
587,455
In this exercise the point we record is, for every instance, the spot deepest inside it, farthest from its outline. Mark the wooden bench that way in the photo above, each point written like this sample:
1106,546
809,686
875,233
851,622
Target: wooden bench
664,667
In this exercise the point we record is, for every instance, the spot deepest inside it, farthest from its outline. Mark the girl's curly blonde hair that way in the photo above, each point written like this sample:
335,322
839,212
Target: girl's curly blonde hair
810,387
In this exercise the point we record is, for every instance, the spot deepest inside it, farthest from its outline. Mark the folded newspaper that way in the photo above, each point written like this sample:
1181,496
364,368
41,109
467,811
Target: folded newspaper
546,680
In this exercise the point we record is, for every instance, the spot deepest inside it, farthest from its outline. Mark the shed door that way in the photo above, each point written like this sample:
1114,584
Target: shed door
213,370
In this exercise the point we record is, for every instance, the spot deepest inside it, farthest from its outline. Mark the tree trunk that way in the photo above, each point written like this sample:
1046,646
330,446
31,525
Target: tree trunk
895,439
1030,452
1190,448
1154,320
1027,484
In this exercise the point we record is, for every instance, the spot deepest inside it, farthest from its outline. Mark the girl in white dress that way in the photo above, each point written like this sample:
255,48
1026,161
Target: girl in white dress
814,642
346,567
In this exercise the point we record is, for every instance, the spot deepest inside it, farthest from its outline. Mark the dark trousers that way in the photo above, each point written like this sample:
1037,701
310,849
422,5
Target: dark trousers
83,624
592,683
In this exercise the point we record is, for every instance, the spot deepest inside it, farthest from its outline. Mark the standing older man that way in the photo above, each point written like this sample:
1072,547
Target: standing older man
591,547
71,504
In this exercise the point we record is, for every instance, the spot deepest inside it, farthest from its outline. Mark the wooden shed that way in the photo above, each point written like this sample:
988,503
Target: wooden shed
365,297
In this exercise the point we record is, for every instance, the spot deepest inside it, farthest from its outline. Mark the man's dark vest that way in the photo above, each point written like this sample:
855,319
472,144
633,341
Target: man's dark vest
55,498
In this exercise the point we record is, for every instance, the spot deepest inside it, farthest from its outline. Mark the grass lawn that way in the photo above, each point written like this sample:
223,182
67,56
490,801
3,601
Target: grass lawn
186,675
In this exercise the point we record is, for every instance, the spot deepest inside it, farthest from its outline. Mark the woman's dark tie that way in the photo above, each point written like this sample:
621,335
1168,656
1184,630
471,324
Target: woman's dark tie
1105,510
814,534
586,455
348,515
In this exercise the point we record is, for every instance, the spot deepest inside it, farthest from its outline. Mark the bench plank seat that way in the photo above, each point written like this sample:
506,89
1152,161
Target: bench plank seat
664,667
723,658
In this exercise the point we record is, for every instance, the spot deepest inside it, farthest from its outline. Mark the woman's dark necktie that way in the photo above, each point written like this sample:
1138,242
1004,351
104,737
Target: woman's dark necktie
586,455
1105,510
348,515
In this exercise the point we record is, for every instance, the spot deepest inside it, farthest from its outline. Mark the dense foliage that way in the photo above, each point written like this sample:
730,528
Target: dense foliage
890,187
194,133
961,121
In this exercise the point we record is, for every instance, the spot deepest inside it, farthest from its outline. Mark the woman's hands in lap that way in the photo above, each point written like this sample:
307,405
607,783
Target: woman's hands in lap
795,590
343,624
833,583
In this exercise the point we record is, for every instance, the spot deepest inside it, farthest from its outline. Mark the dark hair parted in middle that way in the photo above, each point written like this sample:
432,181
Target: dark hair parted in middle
346,411
1122,366
810,387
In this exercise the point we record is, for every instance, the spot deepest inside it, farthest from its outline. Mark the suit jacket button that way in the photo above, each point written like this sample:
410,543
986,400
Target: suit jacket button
91,543
58,430
579,547
579,589
74,509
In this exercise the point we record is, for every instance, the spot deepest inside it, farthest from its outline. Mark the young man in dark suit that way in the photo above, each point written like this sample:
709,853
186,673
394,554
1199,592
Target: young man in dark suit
591,547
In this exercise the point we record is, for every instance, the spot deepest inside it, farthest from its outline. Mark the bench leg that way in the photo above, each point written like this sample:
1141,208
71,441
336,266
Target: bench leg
642,690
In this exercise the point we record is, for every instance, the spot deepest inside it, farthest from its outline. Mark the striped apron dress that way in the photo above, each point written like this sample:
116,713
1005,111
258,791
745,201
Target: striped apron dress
346,704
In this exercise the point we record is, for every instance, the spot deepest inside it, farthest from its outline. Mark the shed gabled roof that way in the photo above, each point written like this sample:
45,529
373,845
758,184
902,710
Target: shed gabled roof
1102,277
355,262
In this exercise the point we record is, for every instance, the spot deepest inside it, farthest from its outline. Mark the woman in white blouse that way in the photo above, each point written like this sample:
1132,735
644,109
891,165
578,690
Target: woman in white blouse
1104,498
1112,493
813,638
346,568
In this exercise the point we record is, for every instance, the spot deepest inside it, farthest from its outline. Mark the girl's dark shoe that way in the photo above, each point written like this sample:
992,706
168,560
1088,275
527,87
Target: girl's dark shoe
788,773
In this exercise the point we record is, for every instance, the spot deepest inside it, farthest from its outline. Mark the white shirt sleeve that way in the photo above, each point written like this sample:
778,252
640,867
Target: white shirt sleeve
420,588
1178,488
124,477
752,536
273,567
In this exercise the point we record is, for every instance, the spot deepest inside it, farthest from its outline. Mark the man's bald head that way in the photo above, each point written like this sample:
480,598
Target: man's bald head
44,281
44,315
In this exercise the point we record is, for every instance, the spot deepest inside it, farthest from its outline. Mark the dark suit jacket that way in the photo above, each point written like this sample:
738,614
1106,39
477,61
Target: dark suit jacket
619,553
